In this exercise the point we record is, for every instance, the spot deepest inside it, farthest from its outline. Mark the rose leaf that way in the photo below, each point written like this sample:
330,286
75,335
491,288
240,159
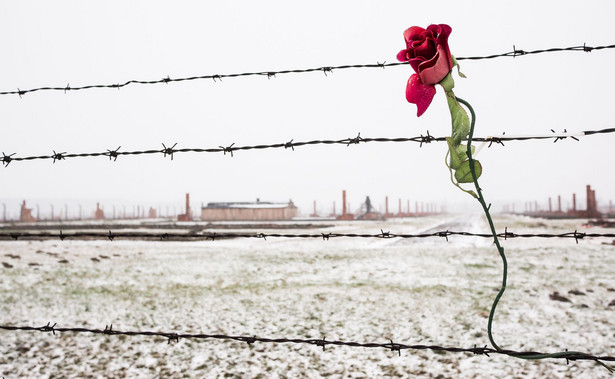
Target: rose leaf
464,174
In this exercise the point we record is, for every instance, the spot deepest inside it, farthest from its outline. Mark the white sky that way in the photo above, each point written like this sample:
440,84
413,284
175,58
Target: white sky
77,42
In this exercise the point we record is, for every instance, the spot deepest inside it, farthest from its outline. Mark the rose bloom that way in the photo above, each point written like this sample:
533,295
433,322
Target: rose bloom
428,54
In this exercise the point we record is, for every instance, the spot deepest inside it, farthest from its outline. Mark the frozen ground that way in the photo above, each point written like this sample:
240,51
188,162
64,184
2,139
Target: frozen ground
367,290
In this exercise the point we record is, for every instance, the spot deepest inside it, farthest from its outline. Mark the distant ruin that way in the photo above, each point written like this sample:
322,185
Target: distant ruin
249,211
26,214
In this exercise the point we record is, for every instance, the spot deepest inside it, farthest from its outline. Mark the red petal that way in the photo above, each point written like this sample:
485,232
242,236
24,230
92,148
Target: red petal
443,32
419,94
402,56
412,31
425,48
414,63
435,69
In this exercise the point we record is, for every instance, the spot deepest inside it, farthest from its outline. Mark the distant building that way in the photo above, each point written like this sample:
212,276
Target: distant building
26,213
188,215
249,211
99,214
152,213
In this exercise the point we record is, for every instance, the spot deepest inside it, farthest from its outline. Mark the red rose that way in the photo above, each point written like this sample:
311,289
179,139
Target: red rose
428,53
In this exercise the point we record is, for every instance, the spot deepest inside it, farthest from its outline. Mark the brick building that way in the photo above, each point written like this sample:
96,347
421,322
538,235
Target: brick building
249,211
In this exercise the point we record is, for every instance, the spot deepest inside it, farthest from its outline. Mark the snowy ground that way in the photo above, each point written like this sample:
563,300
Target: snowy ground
367,290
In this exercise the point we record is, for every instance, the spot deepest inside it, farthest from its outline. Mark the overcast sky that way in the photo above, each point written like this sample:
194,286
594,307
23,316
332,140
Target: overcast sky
79,43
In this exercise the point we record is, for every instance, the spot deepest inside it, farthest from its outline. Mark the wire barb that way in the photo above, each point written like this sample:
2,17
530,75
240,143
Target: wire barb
322,342
173,338
49,328
58,156
114,153
108,330
6,159
384,234
578,236
250,340
354,140
480,350
495,140
426,139
587,49
444,234
396,347
228,149
517,52
168,150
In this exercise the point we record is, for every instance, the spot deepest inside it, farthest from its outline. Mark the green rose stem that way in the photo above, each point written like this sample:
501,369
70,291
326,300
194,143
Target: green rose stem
486,208
481,200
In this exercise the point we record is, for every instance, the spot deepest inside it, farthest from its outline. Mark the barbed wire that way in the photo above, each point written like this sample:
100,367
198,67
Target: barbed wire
326,70
212,236
174,337
172,150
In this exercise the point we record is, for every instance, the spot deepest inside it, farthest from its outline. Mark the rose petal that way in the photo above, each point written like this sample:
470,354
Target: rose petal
443,31
402,56
426,48
419,94
411,32
414,63
435,69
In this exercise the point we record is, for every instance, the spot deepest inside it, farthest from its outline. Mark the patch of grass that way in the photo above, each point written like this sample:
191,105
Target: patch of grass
479,266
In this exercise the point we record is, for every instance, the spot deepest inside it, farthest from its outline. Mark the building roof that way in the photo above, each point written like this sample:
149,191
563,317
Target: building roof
249,205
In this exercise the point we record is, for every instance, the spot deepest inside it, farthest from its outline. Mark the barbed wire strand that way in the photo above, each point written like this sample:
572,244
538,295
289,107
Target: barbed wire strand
212,236
170,151
172,337
326,70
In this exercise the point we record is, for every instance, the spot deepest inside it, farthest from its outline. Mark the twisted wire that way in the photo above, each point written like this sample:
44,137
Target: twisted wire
172,337
270,74
212,236
170,151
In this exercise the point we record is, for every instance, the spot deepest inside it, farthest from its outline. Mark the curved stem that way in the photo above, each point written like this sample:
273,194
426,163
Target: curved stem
481,200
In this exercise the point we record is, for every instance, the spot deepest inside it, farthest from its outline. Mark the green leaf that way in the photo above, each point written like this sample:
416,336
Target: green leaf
458,153
464,174
459,118
455,63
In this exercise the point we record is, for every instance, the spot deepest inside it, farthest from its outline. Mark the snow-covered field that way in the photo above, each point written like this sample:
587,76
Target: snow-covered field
411,291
